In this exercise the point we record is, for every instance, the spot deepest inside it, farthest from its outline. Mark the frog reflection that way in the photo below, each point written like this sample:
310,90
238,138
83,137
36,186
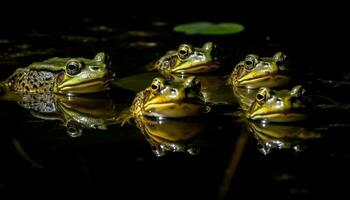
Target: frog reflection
272,136
245,97
75,112
171,135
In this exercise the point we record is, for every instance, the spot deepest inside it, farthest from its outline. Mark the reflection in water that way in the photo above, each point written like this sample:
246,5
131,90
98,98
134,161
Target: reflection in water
171,135
75,112
281,136
245,97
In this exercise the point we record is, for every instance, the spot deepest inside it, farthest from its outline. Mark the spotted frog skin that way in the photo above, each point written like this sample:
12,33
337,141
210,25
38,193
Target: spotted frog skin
278,105
62,76
170,100
188,59
256,72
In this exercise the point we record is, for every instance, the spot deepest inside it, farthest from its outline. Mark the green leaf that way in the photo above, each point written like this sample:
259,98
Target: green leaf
192,28
207,28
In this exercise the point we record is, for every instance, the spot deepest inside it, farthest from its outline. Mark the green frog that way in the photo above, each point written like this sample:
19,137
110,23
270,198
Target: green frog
278,105
188,59
171,135
282,136
62,76
256,72
170,100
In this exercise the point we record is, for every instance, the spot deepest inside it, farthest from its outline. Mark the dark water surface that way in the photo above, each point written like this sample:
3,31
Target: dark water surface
38,155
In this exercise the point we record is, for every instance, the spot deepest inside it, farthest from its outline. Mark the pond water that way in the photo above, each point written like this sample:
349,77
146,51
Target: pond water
218,156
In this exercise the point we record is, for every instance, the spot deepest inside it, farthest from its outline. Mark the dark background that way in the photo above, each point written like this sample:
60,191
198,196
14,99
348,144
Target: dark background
314,36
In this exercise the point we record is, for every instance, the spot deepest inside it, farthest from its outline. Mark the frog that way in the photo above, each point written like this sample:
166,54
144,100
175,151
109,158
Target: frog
279,105
180,135
282,136
62,76
188,60
165,99
256,72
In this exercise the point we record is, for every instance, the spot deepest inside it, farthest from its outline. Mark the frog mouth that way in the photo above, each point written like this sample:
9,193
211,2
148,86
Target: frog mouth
274,78
176,109
199,68
96,85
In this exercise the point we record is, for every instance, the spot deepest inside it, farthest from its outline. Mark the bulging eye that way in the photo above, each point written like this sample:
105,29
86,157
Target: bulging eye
155,87
73,67
184,51
261,96
250,62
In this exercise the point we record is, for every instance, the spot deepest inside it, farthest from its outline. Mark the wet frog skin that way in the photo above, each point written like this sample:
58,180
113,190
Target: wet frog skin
188,59
170,100
256,72
62,76
278,105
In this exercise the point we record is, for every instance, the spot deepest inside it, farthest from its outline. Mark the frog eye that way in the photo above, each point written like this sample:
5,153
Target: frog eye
73,67
157,85
262,96
250,62
184,51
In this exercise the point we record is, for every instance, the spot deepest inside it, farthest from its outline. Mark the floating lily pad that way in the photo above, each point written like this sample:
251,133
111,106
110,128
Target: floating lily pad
207,28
